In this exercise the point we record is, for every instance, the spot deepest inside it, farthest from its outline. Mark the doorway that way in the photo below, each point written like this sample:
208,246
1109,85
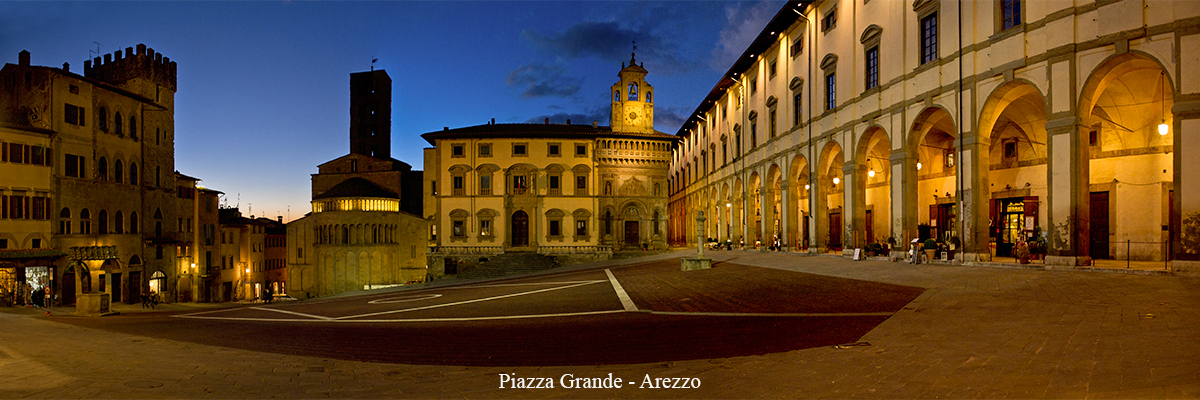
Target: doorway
1099,231
631,234
520,229
835,230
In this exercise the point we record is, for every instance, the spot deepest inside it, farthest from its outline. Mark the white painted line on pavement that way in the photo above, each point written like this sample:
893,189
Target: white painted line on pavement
520,284
467,301
292,313
625,300
404,299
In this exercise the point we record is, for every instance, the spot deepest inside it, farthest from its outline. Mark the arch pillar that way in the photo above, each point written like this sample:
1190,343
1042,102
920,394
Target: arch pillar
1070,195
1186,124
904,199
974,197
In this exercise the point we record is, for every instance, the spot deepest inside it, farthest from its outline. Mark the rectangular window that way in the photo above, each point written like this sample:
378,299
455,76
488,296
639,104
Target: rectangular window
520,184
485,227
485,185
553,185
830,20
580,150
74,115
1010,14
458,186
555,229
796,114
458,230
74,166
16,153
771,69
753,86
872,67
458,150
753,134
771,123
518,150
830,91
553,150
581,228
580,183
798,44
433,187
485,150
929,38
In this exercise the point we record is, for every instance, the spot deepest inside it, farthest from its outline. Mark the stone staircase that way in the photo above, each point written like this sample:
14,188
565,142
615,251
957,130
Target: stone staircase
510,263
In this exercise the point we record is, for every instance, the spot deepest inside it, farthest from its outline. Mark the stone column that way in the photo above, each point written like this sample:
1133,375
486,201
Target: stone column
744,233
765,209
855,213
1070,194
1186,128
904,198
785,213
974,200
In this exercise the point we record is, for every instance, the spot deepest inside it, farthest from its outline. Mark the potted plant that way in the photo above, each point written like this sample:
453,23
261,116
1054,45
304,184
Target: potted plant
873,249
930,248
954,243
1037,244
1021,252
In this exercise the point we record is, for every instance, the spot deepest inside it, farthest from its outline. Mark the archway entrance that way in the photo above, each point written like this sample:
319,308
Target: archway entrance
932,141
520,229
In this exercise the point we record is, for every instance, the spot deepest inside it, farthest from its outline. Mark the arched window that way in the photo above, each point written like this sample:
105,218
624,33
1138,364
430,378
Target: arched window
133,175
117,124
103,117
616,95
118,172
64,221
119,223
633,92
85,222
103,224
133,128
158,222
649,98
133,222
102,169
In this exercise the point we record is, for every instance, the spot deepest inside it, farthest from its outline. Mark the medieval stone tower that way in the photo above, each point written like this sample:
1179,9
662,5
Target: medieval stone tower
371,114
632,100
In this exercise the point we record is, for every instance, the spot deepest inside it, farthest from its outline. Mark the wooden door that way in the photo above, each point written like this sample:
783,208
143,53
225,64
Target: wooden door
520,229
631,233
870,222
1099,232
835,231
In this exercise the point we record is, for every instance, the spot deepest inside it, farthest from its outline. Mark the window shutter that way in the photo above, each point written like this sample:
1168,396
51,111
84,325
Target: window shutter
49,157
1031,210
3,206
3,151
28,211
82,116
46,213
27,151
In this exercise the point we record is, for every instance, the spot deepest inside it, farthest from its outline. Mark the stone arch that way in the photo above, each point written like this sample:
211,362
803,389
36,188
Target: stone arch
872,200
798,202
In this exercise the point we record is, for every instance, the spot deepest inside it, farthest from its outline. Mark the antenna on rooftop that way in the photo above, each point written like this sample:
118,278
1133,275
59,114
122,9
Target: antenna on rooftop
373,60
92,54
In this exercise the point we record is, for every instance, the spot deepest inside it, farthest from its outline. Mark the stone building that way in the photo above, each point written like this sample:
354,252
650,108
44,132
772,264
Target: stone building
848,123
363,230
107,144
572,191
26,252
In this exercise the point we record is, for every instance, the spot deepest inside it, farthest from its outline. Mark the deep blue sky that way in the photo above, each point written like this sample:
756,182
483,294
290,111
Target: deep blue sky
264,86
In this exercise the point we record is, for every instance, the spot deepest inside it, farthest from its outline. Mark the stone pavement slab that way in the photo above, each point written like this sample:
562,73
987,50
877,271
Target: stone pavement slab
976,332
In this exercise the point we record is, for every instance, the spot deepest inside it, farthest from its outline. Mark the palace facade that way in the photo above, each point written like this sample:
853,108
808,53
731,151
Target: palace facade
850,122
575,192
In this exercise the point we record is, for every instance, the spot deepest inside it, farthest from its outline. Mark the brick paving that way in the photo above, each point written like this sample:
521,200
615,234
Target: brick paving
975,332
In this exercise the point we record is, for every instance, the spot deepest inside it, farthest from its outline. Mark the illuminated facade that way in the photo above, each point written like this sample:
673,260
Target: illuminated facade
576,192
108,148
362,231
848,123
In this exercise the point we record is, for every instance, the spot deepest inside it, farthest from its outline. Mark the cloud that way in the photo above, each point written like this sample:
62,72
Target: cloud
543,80
586,118
744,21
613,40
671,118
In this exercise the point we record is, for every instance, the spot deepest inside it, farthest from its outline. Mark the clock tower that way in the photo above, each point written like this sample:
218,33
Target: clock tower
632,100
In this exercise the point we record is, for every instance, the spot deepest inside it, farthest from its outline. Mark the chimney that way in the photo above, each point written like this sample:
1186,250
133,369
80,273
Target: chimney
493,121
23,58
445,128
279,218
547,120
66,67
568,122
595,124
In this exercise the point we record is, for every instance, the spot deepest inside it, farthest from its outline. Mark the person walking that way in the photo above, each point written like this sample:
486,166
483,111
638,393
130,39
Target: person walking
145,299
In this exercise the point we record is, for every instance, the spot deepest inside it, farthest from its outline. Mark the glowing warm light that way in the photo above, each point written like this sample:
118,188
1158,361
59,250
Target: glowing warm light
805,186
1162,129
728,205
836,180
871,173
918,166
247,270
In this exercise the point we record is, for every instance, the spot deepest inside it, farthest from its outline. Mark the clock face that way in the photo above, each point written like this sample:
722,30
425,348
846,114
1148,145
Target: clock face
633,116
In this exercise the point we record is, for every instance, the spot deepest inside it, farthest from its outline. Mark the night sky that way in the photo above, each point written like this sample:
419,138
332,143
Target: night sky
264,86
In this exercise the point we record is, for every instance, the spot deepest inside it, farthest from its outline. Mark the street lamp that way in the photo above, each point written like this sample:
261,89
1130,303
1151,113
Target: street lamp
1162,127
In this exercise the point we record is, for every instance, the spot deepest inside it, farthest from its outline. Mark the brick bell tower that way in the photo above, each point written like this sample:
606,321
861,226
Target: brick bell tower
371,114
632,100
